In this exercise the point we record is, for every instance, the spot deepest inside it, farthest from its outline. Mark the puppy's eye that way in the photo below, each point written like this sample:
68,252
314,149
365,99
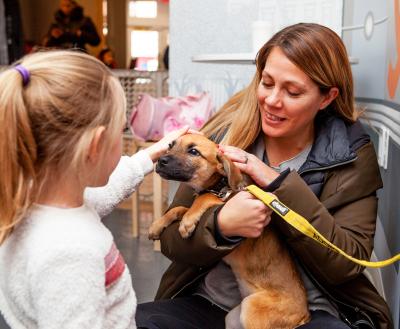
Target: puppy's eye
194,152
171,145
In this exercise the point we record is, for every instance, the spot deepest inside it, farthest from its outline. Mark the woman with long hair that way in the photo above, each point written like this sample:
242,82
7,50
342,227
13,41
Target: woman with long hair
294,131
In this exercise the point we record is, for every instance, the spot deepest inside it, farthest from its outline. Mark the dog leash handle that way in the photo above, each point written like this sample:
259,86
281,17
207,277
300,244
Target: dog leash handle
302,225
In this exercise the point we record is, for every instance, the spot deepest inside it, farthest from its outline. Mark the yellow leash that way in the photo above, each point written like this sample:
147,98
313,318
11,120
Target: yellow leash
302,225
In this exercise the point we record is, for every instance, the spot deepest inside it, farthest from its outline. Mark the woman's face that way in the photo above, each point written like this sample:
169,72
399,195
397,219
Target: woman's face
67,6
288,100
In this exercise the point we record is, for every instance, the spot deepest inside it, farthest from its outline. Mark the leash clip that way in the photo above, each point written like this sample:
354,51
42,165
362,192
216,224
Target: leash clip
224,194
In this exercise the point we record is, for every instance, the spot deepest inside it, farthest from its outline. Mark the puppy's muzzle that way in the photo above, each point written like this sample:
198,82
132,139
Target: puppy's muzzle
174,168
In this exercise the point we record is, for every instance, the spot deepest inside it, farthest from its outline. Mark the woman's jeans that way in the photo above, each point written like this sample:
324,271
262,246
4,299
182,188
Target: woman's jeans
195,312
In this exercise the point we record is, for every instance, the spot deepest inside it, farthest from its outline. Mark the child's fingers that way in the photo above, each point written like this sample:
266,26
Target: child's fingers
196,132
185,130
176,133
171,136
181,131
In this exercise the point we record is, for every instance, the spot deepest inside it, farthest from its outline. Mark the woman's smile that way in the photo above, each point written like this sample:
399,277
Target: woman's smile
273,119
288,100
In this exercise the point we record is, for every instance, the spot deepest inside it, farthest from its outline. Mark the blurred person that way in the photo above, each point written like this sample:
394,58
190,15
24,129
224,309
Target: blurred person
71,28
133,63
166,58
107,57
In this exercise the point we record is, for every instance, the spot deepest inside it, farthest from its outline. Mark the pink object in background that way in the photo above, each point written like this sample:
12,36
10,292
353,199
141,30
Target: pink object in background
153,117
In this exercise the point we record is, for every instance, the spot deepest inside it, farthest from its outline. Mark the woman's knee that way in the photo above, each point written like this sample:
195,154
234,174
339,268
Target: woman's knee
144,312
322,319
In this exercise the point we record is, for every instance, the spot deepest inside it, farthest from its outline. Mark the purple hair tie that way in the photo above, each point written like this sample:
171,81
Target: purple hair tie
24,73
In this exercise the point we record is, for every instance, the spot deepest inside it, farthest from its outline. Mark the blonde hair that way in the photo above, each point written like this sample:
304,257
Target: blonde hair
50,122
318,52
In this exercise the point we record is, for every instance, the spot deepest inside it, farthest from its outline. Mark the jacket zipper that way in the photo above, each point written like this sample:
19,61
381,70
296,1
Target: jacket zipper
328,167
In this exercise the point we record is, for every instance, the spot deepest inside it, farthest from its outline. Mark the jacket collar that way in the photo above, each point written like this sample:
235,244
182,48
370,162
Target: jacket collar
335,142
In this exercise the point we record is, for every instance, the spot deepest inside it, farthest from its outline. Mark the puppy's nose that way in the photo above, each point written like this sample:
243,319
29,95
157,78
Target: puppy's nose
163,161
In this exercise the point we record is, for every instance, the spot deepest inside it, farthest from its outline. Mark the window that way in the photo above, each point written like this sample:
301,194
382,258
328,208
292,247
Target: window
105,25
144,47
143,9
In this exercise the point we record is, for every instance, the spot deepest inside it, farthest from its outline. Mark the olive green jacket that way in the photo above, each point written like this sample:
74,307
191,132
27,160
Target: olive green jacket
336,191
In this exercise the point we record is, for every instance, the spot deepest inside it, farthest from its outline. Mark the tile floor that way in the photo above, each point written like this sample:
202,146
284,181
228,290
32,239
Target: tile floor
145,264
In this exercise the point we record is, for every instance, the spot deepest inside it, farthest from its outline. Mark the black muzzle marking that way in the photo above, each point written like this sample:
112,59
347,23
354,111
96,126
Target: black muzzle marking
173,168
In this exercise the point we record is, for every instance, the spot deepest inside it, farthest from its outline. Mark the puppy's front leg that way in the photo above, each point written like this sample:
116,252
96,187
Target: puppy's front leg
160,224
200,205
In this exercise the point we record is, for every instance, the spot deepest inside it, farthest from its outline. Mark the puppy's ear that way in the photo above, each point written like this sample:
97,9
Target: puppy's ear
228,169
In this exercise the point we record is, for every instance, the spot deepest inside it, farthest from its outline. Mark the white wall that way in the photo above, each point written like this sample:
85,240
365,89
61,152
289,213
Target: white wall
160,24
224,26
209,26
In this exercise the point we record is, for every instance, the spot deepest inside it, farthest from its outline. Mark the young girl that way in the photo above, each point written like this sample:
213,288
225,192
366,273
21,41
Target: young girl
62,117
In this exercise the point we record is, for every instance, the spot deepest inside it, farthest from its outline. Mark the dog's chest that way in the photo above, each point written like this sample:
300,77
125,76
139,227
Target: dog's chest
256,255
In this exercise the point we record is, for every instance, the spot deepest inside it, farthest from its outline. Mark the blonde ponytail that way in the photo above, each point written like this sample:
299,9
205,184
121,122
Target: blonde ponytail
46,121
17,153
238,122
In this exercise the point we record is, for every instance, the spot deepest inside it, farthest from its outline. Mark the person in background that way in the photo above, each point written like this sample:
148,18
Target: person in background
61,171
166,58
71,28
295,131
133,63
107,57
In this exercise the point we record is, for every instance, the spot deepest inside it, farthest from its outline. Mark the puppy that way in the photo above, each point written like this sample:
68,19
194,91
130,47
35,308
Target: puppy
272,291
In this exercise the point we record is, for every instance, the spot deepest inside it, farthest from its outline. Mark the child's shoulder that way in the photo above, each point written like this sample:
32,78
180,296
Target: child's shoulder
67,230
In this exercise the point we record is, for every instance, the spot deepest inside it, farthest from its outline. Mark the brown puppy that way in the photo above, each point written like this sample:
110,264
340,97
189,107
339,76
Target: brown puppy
272,291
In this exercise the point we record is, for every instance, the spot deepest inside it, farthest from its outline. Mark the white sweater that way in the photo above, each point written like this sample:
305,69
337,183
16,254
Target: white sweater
60,267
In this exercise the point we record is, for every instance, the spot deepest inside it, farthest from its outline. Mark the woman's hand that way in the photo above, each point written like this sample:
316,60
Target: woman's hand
243,215
249,164
56,32
159,148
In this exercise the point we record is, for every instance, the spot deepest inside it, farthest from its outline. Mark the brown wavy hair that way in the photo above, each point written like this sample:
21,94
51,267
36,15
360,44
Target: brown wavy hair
318,52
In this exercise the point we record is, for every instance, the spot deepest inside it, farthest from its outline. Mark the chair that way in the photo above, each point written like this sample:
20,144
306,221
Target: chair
135,83
132,146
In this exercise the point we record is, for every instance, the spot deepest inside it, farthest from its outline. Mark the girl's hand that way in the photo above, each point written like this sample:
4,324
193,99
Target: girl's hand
159,148
243,215
249,164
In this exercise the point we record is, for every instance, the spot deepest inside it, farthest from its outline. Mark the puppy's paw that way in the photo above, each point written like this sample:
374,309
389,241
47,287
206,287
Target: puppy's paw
185,231
155,231
186,228
153,236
